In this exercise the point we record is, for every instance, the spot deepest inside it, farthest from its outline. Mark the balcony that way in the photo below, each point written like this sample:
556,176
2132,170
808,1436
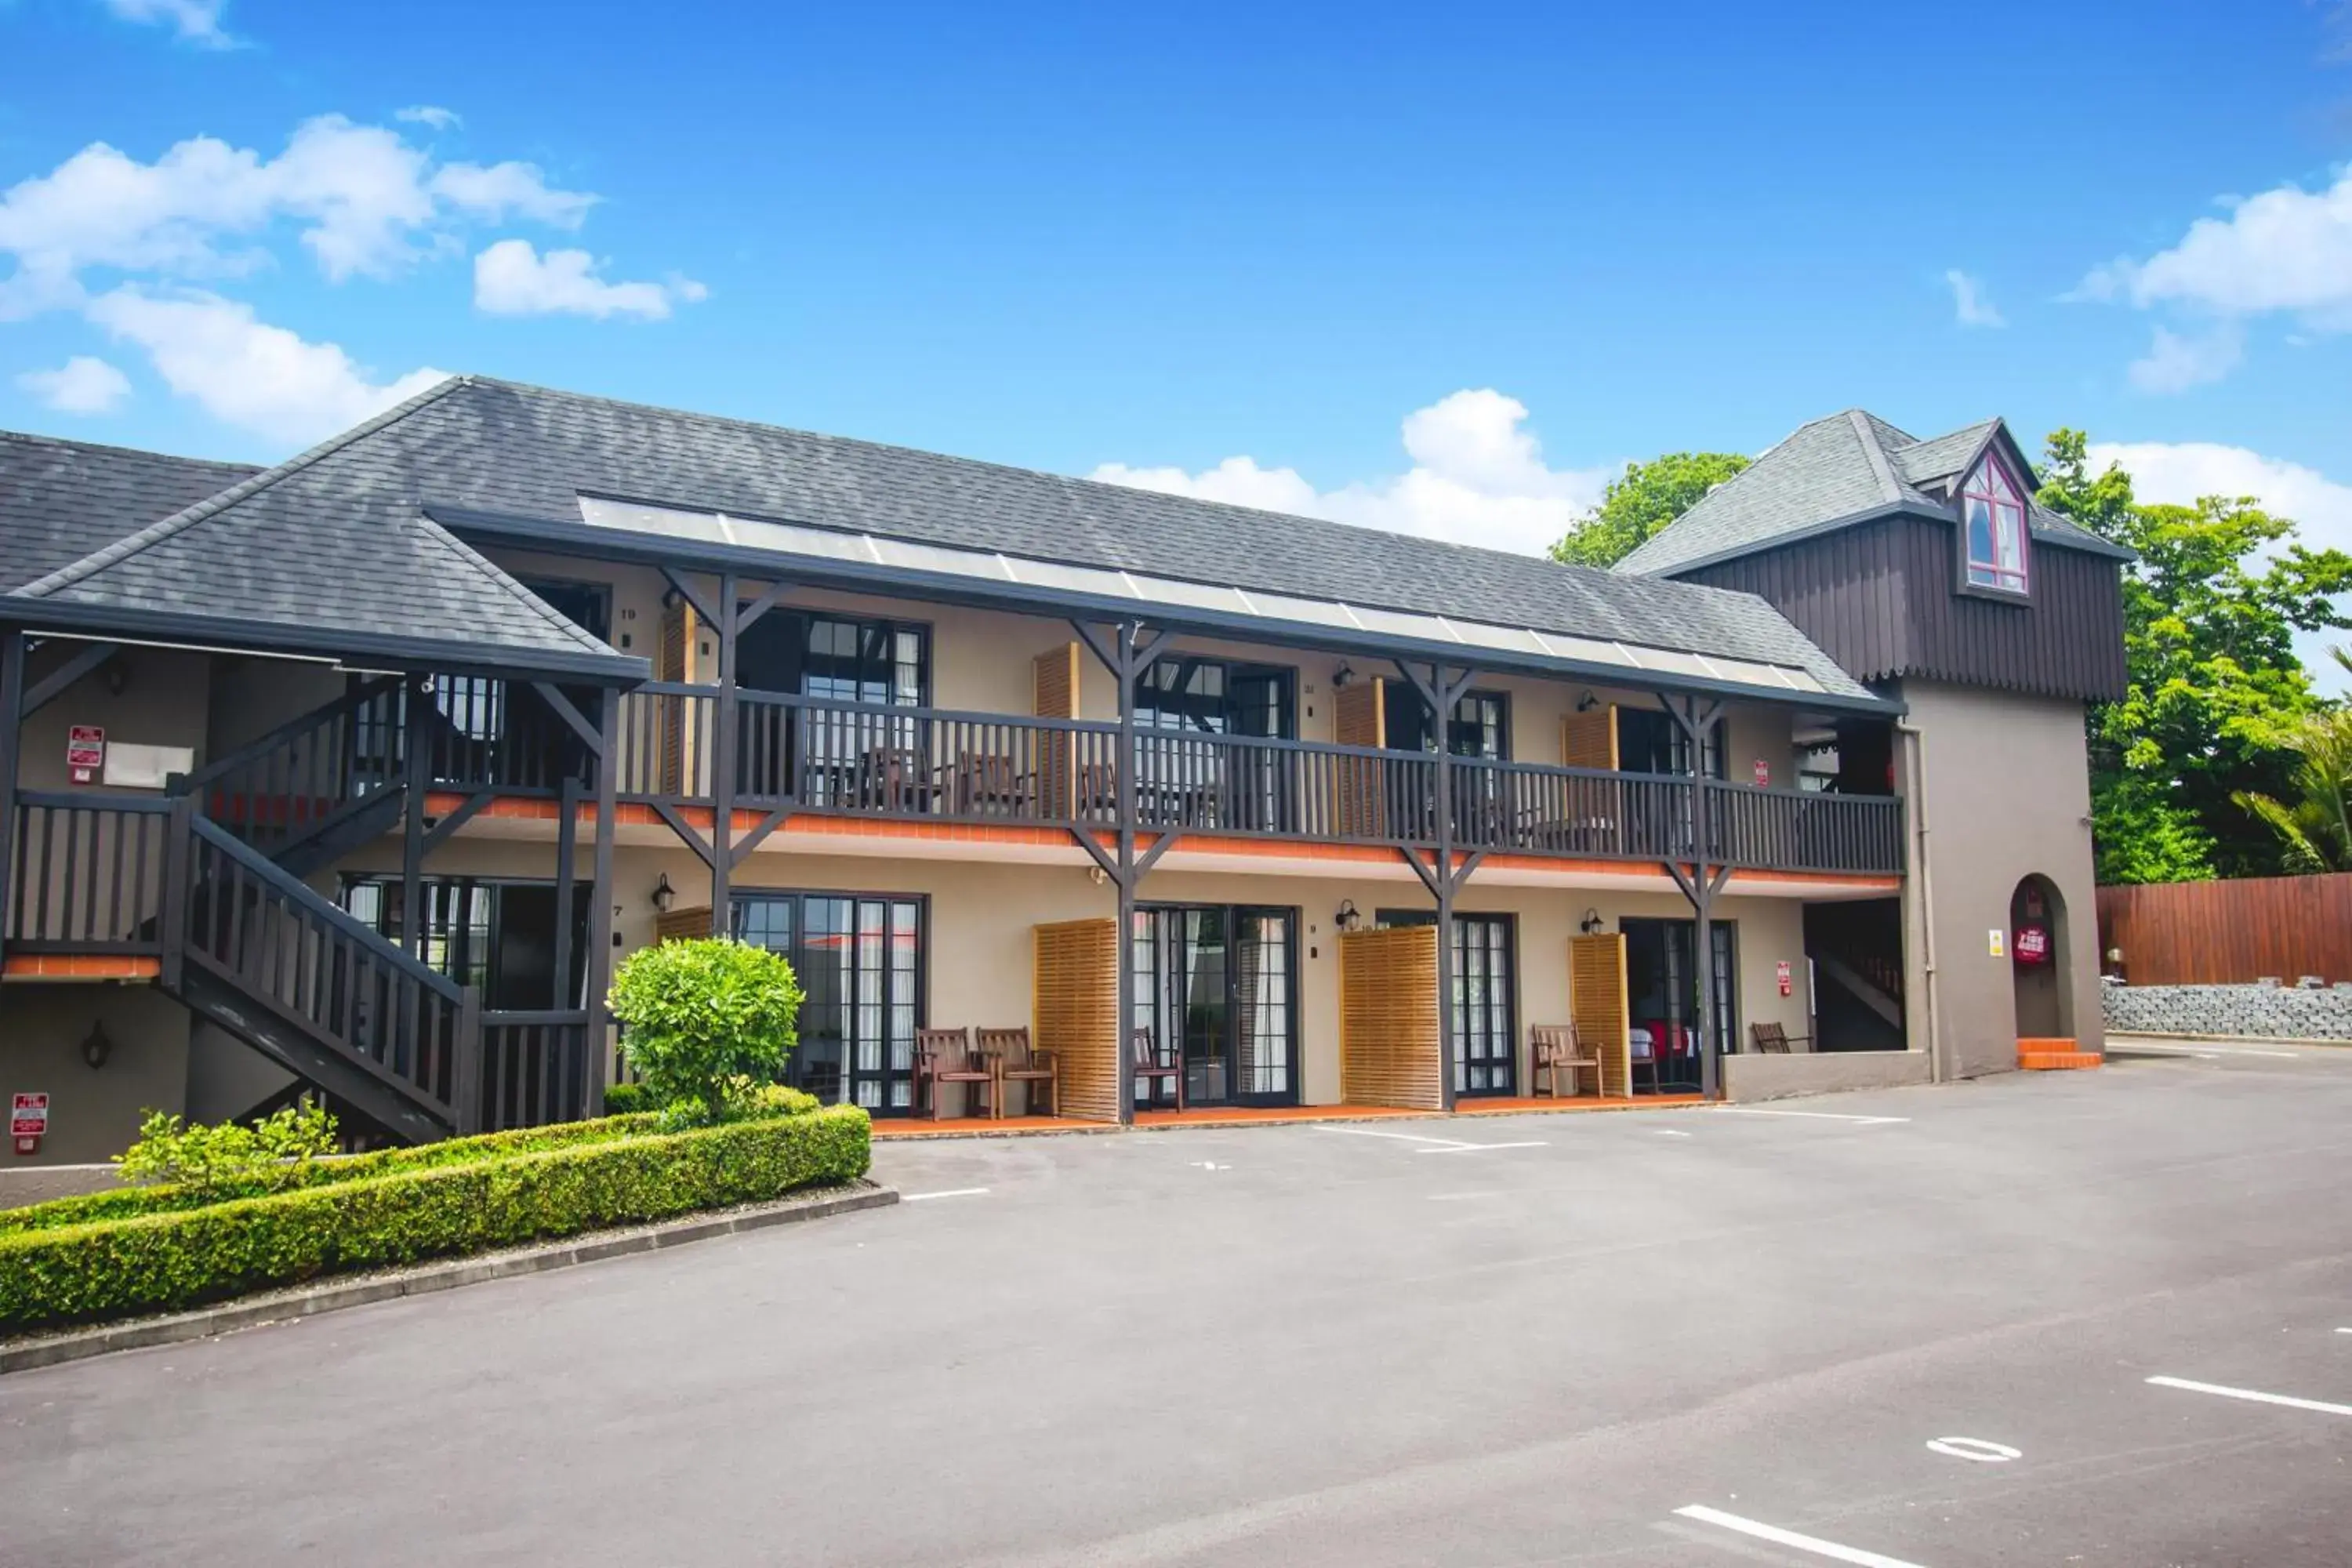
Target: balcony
926,764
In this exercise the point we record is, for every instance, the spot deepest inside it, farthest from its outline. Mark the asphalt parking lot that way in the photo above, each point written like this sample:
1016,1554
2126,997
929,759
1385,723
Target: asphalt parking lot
2092,1318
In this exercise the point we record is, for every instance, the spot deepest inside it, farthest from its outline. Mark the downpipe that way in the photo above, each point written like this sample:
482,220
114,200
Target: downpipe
1919,829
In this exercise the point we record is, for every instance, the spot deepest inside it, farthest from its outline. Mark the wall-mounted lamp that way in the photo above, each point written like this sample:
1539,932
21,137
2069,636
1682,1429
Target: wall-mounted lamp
1097,876
1347,919
1591,923
1342,676
96,1047
118,676
663,895
1588,702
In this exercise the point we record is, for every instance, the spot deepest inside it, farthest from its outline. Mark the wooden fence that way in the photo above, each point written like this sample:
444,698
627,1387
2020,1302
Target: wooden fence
2213,933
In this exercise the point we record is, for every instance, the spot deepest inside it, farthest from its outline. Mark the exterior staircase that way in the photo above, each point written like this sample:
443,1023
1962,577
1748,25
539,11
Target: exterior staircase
1857,955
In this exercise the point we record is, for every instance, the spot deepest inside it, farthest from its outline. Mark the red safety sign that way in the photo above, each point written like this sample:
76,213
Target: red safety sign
1788,986
85,752
29,1119
1763,774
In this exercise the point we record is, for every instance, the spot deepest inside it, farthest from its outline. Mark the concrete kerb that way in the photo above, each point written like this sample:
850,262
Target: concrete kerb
335,1295
2118,1039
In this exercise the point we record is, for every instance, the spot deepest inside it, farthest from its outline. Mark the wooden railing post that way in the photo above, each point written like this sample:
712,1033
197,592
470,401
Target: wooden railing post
465,1064
171,916
11,724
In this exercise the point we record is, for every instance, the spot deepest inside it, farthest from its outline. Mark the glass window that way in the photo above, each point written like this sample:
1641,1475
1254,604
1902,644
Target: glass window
1993,512
1480,725
859,963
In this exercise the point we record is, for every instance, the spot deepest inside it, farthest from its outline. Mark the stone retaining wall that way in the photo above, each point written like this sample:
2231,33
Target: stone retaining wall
2275,1011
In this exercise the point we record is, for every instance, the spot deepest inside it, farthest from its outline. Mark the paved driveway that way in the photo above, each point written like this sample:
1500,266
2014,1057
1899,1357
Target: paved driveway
1669,1339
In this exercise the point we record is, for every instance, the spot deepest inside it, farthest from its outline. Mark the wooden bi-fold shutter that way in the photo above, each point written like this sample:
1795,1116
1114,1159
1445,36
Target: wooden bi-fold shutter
677,717
1389,1052
1588,739
1596,1000
1054,689
680,924
1074,1013
1360,718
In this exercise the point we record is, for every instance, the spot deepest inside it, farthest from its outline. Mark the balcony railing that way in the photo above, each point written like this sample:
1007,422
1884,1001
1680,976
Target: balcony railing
923,763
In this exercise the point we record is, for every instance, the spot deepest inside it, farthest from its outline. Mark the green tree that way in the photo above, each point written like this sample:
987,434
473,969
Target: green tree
708,1023
1645,499
2316,829
2216,695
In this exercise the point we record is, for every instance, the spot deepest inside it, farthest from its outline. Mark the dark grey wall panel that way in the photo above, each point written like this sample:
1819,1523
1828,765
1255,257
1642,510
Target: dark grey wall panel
1880,599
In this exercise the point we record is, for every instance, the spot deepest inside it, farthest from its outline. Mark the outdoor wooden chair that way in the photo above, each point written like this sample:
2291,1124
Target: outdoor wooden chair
1144,1053
1008,1051
1557,1049
1641,1056
945,1056
1773,1040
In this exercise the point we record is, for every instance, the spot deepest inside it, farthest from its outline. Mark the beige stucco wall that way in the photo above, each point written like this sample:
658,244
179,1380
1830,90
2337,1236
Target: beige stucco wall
93,1111
2006,793
165,699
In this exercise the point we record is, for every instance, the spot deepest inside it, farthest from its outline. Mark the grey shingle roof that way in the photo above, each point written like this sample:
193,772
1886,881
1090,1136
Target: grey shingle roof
526,452
1845,469
319,548
61,499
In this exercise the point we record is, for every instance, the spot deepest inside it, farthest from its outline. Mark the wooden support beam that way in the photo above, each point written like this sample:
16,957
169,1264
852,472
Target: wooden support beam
684,830
600,923
694,596
417,703
1159,845
12,730
741,852
465,810
755,608
1102,857
42,692
572,718
724,745
567,871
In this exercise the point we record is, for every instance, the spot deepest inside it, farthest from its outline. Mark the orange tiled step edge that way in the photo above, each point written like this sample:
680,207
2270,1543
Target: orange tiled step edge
2055,1055
80,966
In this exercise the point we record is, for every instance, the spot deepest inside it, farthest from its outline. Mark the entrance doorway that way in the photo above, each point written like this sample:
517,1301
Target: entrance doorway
2037,957
1486,998
1661,998
859,960
1217,987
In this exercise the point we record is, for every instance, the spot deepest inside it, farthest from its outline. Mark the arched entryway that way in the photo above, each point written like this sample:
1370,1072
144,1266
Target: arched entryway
2037,960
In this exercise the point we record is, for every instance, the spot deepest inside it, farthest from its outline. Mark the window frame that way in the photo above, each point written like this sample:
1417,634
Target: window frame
1993,586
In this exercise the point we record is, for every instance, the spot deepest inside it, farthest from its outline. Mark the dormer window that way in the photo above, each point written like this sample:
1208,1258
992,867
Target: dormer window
1993,513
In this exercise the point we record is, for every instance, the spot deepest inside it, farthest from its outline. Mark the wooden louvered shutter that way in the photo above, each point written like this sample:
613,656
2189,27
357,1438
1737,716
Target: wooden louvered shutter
674,660
1054,689
1596,1000
678,924
1074,1013
1589,740
1360,718
1389,1049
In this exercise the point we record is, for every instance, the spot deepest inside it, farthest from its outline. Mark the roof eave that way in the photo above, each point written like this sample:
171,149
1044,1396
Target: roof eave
371,650
588,540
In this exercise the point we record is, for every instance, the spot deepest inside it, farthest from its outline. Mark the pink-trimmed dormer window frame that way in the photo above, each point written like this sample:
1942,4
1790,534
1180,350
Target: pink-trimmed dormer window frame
1992,514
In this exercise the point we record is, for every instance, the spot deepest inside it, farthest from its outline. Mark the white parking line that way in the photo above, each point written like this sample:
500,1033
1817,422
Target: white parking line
1809,1115
2256,1395
1481,1148
950,1193
1778,1537
2344,1330
1401,1137
2204,1053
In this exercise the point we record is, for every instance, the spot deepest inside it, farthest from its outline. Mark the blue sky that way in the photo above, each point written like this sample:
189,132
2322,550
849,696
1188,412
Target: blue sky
1357,260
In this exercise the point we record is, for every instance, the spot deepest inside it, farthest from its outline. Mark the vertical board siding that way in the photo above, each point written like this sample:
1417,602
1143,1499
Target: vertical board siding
2220,933
1596,1000
1388,1018
1074,1013
1881,599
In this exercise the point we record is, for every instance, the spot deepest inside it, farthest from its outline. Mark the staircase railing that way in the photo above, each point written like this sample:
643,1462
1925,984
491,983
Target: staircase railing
309,775
87,874
257,928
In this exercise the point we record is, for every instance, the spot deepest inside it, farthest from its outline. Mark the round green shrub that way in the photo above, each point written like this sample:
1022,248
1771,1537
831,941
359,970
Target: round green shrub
706,1022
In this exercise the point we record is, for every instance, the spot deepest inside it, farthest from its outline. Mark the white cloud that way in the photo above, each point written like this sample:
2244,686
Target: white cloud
1479,478
195,21
361,196
2180,473
2289,249
512,278
1968,300
83,384
246,373
2175,363
429,114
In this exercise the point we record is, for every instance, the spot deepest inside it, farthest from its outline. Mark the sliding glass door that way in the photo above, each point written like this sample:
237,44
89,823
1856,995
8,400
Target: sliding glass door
1217,986
859,962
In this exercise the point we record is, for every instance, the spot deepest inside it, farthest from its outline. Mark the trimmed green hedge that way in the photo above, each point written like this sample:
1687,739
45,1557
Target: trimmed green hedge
159,1261
627,1098
122,1202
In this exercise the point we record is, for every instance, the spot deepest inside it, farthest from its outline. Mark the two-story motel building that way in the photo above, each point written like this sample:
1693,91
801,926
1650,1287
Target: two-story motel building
361,772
